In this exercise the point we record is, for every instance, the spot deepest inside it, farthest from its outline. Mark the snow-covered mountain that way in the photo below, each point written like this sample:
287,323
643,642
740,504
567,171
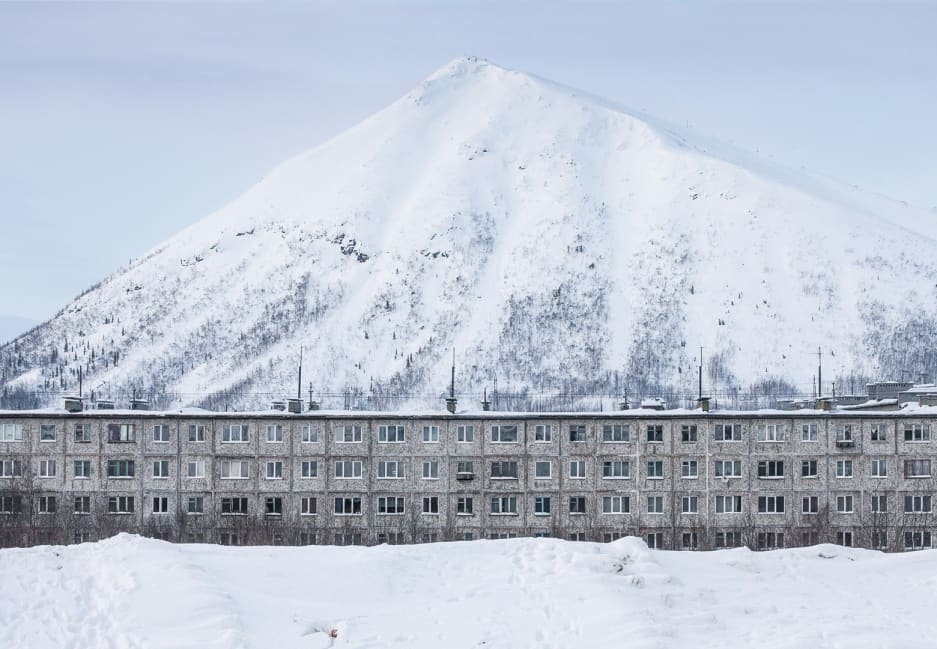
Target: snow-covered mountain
553,241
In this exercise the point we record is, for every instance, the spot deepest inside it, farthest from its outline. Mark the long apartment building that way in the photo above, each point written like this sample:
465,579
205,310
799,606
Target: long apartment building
684,479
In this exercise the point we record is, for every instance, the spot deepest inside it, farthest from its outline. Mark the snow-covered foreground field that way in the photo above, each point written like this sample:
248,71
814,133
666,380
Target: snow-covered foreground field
133,592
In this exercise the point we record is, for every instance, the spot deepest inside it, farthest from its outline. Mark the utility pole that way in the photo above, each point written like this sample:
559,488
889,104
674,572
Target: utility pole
299,381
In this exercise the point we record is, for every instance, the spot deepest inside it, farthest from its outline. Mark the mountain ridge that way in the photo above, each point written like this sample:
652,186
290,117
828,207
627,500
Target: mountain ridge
555,242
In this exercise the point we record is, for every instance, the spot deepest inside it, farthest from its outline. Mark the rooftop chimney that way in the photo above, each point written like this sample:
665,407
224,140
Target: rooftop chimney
703,404
486,405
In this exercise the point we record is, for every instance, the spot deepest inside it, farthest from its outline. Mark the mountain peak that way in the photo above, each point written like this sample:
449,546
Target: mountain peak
559,244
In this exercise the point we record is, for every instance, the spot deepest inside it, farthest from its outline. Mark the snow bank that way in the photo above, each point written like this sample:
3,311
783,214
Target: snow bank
129,592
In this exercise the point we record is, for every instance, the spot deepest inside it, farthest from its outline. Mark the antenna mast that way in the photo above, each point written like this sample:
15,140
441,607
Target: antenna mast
299,381
819,372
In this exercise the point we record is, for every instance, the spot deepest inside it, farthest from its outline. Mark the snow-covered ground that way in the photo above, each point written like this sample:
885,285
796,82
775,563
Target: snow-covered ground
134,592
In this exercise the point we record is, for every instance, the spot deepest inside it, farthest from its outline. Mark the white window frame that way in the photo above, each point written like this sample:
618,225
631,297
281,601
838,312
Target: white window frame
308,469
809,432
430,434
391,434
47,468
577,469
431,470
348,469
195,469
161,469
498,432
465,434
879,467
540,473
689,504
655,505
273,470
309,434
689,470
235,434
616,505
616,470
503,505
242,473
196,433
543,433
347,434
160,434
845,504
274,434
844,469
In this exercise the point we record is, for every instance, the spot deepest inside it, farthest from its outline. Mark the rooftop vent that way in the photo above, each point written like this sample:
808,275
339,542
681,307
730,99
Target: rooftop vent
278,405
139,404
703,403
294,406
104,404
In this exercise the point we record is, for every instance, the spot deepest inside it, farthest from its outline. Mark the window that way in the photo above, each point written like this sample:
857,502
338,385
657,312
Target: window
616,504
274,433
844,504
616,433
347,538
655,469
390,469
917,468
810,505
689,469
728,504
879,539
688,433
769,540
655,504
728,432
11,432
195,505
46,433
655,433
465,434
46,468
844,433
195,469
118,433
348,506
577,469
120,469
504,505
309,434
45,504
11,469
308,506
770,433
391,434
577,433
689,505
160,505
877,433
430,504
843,468
431,470
273,506
235,506
655,540
274,470
82,468
430,434
120,505
844,538
347,434
542,470
310,469
879,503
727,469
808,433
464,506
616,469
728,539
82,433
770,504
916,432
161,469
82,504
577,504
234,433
196,432
503,434
809,537
504,469
541,505
348,469
879,469
235,469
771,469
916,504
390,505
465,470
690,540
917,540
161,433
808,469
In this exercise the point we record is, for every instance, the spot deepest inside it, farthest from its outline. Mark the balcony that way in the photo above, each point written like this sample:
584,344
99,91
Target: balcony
464,475
845,443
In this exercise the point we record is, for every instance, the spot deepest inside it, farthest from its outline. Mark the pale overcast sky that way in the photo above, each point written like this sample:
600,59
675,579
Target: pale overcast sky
122,123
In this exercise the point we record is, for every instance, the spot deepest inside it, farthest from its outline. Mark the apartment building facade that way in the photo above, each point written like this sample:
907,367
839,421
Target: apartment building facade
680,479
